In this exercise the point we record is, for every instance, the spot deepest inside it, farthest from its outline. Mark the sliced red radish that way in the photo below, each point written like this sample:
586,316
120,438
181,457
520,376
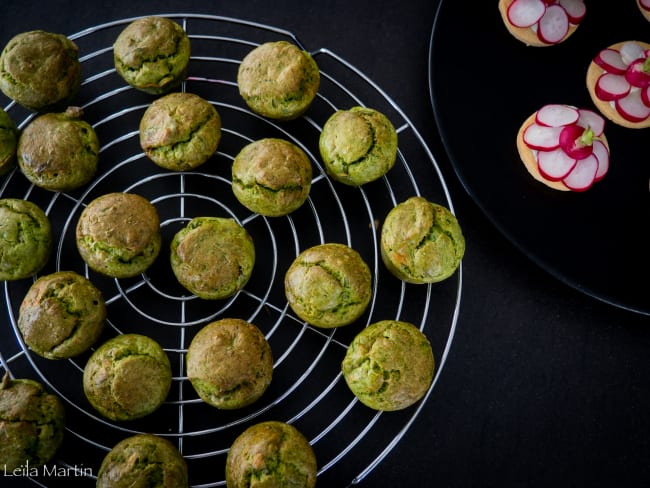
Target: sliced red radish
575,9
636,73
611,87
602,154
645,95
576,141
583,174
525,13
645,4
554,25
593,120
632,107
611,61
631,51
554,165
542,138
556,115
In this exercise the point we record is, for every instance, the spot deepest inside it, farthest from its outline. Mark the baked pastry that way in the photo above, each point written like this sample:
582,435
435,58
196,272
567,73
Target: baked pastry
32,424
143,460
564,147
542,23
644,7
278,80
271,177
59,151
8,142
127,377
618,82
271,453
389,365
180,131
25,239
212,257
328,285
229,363
421,241
40,70
152,54
358,145
118,234
61,315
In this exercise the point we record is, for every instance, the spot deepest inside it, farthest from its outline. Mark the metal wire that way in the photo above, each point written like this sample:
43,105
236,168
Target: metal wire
307,388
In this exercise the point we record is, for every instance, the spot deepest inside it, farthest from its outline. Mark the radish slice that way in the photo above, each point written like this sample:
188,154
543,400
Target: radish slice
556,115
631,51
602,154
555,165
583,174
541,138
554,25
611,87
645,96
636,74
645,4
610,60
525,13
575,9
589,118
632,107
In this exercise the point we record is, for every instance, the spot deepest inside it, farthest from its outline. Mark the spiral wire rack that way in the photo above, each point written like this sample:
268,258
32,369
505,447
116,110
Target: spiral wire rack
307,389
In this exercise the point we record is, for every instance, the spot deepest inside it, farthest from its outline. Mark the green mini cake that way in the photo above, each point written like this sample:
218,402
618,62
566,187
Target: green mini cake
358,145
389,365
118,234
59,151
278,80
8,142
271,177
143,460
127,377
270,454
152,54
229,363
32,424
421,242
180,131
25,239
62,315
40,70
212,257
328,285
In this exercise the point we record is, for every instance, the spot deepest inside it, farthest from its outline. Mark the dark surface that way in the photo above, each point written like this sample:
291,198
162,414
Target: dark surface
544,385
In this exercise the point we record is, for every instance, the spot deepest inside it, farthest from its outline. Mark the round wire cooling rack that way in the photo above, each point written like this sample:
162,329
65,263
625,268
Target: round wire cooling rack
307,389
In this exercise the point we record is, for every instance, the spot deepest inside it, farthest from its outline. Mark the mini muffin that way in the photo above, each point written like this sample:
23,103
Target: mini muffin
40,70
278,80
328,285
151,54
271,453
8,142
229,363
271,177
421,242
127,377
358,145
212,257
389,365
59,151
118,234
32,424
143,460
25,239
180,131
62,315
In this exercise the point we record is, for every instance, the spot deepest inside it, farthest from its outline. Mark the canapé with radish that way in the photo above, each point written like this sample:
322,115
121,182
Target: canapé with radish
542,22
564,147
618,80
644,6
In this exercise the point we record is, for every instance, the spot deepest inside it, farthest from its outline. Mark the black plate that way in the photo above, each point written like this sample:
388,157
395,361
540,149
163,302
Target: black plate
484,83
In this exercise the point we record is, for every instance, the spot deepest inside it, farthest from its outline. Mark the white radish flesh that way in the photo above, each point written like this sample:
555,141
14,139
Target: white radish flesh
541,138
589,118
583,174
632,107
611,87
631,51
611,61
575,9
645,96
554,25
556,115
602,155
524,13
645,4
554,165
